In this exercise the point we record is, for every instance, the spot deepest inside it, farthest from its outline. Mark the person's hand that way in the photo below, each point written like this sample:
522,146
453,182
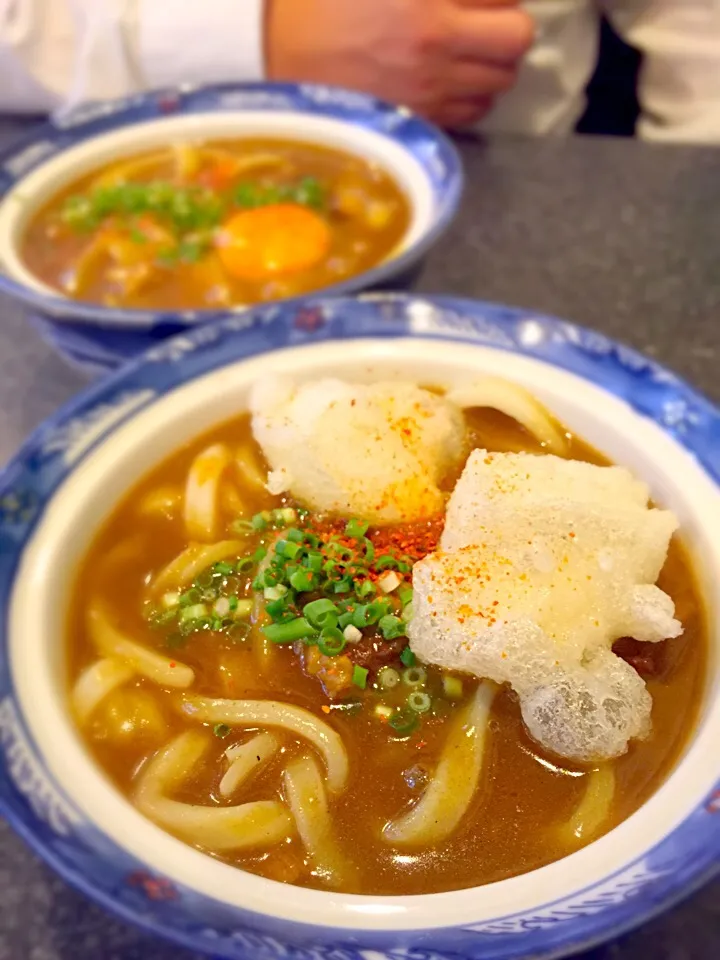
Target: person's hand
446,59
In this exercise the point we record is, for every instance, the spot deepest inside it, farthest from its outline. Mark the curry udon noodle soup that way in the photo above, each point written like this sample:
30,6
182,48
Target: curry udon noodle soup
386,640
211,225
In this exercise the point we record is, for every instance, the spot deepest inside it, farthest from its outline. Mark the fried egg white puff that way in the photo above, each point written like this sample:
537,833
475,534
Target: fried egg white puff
376,451
542,565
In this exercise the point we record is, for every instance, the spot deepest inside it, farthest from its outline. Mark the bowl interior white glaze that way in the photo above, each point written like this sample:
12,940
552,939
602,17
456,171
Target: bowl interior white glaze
40,597
23,201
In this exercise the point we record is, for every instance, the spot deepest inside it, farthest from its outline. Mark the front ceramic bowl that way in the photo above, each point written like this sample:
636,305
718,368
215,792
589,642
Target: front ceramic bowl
420,159
69,476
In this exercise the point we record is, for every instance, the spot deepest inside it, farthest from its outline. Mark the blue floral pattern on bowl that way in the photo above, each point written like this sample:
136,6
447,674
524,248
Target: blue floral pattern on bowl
97,338
50,823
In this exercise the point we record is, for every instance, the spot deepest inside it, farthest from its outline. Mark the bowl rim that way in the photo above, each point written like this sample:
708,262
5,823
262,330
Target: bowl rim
658,395
429,146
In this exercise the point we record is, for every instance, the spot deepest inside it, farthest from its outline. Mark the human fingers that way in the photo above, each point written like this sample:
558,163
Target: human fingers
500,36
456,114
470,79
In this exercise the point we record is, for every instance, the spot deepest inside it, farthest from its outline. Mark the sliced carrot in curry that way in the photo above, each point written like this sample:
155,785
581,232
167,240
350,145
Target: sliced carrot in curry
263,243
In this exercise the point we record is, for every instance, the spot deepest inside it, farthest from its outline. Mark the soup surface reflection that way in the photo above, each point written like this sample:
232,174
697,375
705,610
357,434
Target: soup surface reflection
215,224
529,809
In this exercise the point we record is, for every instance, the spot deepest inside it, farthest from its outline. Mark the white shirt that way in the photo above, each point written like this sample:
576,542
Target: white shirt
56,53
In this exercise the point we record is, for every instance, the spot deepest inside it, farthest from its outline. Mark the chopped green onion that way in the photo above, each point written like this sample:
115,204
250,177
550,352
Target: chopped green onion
244,565
259,555
205,579
388,678
369,550
359,677
222,606
408,657
404,722
331,642
415,676
297,629
284,515
260,521
277,609
192,596
356,529
294,535
405,593
318,612
343,586
346,619
302,581
194,612
242,527
453,688
352,634
389,581
377,610
159,618
391,627
290,550
339,551
222,730
364,589
419,701
386,562
275,593
170,600
313,561
238,631
243,608
224,568
233,604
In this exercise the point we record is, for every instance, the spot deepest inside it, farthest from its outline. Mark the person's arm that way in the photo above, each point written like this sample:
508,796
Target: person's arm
680,76
54,53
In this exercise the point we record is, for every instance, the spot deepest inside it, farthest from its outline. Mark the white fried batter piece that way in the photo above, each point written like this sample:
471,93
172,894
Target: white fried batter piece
543,564
374,451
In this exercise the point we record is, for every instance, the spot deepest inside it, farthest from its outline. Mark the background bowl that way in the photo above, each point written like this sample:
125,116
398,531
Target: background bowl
97,338
70,473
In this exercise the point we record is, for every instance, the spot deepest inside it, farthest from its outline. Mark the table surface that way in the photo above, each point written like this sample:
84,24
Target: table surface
613,234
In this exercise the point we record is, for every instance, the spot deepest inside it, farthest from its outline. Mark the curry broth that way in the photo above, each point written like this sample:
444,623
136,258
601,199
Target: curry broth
365,210
514,823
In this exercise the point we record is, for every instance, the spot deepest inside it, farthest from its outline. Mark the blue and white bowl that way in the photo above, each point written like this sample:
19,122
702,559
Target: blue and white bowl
417,154
72,471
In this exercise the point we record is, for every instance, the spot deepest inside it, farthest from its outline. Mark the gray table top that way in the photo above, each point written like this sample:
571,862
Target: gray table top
616,235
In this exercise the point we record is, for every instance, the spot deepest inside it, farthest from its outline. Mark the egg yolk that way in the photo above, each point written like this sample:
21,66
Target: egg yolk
269,241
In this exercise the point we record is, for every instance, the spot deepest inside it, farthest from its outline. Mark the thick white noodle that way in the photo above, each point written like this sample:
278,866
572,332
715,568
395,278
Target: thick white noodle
95,683
161,501
515,402
449,794
271,713
258,824
189,564
247,759
594,808
249,469
306,797
262,647
202,492
110,642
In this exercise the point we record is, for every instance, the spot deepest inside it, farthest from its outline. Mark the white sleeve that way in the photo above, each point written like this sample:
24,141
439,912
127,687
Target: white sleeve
680,77
56,53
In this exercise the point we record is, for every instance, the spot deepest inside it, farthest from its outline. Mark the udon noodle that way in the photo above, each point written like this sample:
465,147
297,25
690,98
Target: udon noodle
384,639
